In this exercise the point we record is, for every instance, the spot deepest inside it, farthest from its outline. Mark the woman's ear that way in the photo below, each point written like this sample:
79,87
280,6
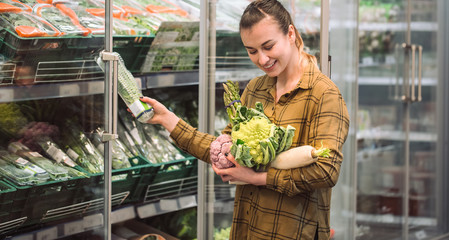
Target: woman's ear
291,33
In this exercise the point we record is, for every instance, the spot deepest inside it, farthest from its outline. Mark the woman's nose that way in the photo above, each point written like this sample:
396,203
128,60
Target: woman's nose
263,58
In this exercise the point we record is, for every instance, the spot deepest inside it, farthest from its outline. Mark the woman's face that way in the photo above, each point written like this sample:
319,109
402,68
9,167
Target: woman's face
268,47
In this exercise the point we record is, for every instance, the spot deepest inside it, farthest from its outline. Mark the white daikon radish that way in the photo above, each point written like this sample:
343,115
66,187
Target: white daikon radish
299,157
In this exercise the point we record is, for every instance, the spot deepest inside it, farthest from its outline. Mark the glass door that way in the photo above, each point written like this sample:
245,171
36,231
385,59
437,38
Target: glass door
397,178
225,58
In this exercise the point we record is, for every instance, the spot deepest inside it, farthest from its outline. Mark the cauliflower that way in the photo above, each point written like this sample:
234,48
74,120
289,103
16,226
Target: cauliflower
251,133
255,139
219,149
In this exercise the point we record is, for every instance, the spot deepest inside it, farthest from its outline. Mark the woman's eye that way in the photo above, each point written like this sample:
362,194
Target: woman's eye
252,52
269,47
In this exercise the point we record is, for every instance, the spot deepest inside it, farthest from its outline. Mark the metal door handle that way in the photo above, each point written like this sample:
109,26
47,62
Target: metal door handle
410,74
413,48
419,73
396,85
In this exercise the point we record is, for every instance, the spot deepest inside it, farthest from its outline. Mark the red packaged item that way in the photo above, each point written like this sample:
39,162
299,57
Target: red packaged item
80,16
28,25
13,6
65,24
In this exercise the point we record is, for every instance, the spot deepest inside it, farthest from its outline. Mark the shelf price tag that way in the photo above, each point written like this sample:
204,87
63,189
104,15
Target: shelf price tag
6,95
72,228
187,201
95,87
93,221
147,210
123,214
168,204
24,237
47,234
69,90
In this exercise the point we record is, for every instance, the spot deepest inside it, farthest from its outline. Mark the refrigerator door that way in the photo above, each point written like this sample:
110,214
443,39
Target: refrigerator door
397,178
224,58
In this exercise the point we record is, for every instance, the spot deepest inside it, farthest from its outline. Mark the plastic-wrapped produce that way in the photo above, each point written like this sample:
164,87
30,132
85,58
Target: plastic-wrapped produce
27,25
55,152
39,174
162,144
120,153
56,172
74,149
61,21
16,175
79,15
94,156
127,140
137,136
15,6
129,91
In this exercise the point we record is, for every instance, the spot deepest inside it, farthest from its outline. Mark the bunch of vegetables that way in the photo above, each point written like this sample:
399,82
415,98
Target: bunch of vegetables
255,139
34,131
12,119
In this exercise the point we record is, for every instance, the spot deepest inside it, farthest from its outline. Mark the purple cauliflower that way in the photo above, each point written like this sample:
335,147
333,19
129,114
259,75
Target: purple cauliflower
219,149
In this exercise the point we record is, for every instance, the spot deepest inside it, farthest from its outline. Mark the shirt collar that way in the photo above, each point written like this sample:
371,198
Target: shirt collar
307,78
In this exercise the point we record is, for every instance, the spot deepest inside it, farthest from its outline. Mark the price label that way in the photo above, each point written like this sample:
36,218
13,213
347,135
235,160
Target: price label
95,87
93,221
73,228
147,210
187,201
168,204
6,95
122,215
48,234
69,90
24,237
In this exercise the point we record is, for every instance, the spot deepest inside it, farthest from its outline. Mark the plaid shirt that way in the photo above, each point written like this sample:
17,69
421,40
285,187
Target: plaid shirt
295,203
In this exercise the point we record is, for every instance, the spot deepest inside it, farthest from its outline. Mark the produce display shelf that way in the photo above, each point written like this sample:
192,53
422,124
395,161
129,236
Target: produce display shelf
73,197
173,179
33,201
11,226
28,53
7,194
127,179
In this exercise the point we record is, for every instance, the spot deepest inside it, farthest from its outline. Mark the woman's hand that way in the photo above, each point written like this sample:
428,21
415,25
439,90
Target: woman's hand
240,174
162,115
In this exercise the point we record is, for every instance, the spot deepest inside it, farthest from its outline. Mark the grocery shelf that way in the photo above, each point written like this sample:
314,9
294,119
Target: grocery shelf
398,26
174,79
391,219
52,90
381,81
82,87
166,205
84,224
379,134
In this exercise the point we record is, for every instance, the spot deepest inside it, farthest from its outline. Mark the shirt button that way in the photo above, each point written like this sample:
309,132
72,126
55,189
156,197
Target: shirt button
272,108
250,193
247,212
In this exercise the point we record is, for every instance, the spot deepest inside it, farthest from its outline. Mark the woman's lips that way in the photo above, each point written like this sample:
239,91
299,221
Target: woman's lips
269,66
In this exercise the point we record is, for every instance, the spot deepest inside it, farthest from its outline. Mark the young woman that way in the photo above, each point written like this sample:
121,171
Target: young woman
278,204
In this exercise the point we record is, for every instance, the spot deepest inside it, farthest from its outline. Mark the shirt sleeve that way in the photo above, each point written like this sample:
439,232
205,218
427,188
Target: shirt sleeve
192,141
329,126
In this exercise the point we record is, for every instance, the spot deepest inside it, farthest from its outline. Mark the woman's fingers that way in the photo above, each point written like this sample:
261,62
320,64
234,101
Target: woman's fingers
232,159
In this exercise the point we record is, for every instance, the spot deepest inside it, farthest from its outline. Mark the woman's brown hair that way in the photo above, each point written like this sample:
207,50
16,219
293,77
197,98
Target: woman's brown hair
259,9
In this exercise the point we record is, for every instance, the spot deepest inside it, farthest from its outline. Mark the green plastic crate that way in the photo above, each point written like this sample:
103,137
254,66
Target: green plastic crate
34,201
7,193
173,179
123,180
